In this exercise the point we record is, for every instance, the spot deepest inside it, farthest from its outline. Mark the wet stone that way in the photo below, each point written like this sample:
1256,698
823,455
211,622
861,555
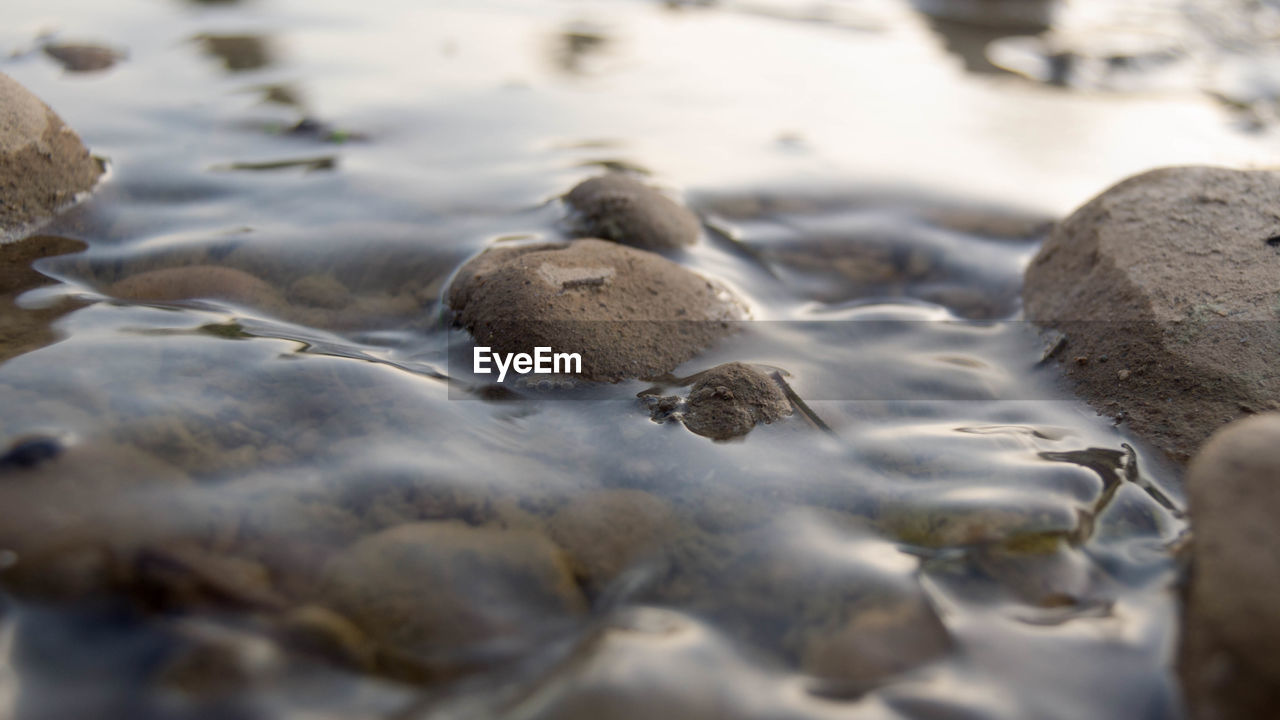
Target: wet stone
874,642
451,592
24,329
619,207
731,399
320,632
43,164
628,313
70,512
1172,276
83,57
322,291
197,282
603,532
1230,654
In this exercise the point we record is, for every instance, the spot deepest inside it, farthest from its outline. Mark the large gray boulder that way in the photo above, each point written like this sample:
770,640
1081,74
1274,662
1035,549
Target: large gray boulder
1167,288
43,164
1230,655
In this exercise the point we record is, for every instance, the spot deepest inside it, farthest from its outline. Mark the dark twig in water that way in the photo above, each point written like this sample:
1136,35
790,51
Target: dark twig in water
800,405
1129,465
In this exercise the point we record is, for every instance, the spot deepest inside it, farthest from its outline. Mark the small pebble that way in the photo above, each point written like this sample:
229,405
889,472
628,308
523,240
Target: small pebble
731,399
619,207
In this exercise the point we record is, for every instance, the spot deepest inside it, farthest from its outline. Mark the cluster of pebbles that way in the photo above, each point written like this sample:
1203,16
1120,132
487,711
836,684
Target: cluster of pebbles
628,311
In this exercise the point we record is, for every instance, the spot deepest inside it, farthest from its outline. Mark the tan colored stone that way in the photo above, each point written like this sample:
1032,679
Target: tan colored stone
25,329
627,312
71,513
876,642
197,282
444,589
321,291
43,164
729,400
1173,275
619,207
1230,654
602,532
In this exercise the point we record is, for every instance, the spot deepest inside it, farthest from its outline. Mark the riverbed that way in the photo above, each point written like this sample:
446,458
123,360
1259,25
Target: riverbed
298,499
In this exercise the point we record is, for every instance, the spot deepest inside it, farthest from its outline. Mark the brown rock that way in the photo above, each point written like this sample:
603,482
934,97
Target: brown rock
43,164
1230,654
621,208
731,399
1173,275
83,57
321,291
25,329
197,282
627,312
603,532
875,642
70,512
444,589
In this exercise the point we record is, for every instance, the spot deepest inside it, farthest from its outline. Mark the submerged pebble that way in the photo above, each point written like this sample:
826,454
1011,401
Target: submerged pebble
447,590
628,313
875,641
197,282
619,207
603,532
731,399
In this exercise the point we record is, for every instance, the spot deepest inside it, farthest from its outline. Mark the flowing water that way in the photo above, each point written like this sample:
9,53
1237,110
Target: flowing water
295,499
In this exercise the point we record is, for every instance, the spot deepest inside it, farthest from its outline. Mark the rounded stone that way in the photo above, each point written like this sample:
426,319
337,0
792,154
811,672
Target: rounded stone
445,589
619,207
877,642
729,400
1174,275
1230,654
83,57
320,291
43,164
626,312
197,282
603,532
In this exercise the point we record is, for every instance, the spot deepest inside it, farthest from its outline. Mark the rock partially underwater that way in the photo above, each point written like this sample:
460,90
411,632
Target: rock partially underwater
1167,287
731,399
628,313
621,208
43,164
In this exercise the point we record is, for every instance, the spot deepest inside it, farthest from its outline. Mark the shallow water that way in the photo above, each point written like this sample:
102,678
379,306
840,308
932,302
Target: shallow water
941,530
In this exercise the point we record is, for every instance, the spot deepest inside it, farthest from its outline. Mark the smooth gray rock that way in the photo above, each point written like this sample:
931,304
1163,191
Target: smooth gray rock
1167,287
43,164
1230,654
